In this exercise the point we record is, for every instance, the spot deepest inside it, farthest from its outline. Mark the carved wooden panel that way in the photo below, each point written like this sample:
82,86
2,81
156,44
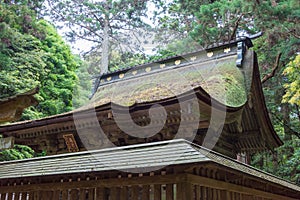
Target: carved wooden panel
71,143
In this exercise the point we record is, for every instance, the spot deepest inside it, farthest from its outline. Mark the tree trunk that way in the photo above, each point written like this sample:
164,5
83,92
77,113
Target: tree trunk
275,161
105,48
286,121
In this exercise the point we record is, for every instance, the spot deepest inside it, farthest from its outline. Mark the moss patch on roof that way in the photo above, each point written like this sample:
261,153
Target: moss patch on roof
220,78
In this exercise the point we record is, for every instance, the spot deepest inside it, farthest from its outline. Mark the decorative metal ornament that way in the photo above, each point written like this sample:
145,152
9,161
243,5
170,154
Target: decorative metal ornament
162,66
121,75
148,69
193,58
210,54
177,62
227,50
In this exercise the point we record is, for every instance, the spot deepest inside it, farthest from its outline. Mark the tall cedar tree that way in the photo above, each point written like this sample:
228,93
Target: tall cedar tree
105,23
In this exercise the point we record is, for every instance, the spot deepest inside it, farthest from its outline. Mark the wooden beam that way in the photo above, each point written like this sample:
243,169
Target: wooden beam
115,182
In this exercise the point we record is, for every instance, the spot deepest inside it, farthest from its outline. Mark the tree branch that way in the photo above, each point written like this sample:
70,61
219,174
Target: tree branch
275,67
62,17
284,123
84,37
298,112
98,19
237,22
293,32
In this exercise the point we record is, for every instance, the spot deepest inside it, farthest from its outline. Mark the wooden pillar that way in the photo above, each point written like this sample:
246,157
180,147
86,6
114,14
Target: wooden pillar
113,193
100,193
10,196
82,194
169,192
204,193
24,196
197,192
146,192
124,193
225,195
184,191
31,195
36,195
56,194
135,192
157,192
65,194
3,196
91,194
17,195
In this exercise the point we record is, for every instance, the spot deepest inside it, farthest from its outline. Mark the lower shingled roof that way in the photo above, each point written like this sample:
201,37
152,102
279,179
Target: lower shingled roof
133,158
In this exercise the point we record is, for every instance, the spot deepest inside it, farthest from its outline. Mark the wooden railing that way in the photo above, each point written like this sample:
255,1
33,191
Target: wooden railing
158,187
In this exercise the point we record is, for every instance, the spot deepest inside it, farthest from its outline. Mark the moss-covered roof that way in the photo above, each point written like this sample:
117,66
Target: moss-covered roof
220,78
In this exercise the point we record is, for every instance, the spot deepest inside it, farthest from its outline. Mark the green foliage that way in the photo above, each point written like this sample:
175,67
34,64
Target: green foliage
176,47
82,90
33,54
118,60
60,78
284,162
121,60
292,72
214,21
20,51
17,153
34,5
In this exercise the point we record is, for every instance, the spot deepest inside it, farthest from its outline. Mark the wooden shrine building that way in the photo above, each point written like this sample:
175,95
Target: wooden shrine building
170,129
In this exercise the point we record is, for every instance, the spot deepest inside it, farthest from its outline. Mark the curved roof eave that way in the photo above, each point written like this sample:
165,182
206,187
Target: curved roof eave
264,118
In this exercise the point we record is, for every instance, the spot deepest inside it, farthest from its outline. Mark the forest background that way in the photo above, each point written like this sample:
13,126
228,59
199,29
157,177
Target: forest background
122,33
